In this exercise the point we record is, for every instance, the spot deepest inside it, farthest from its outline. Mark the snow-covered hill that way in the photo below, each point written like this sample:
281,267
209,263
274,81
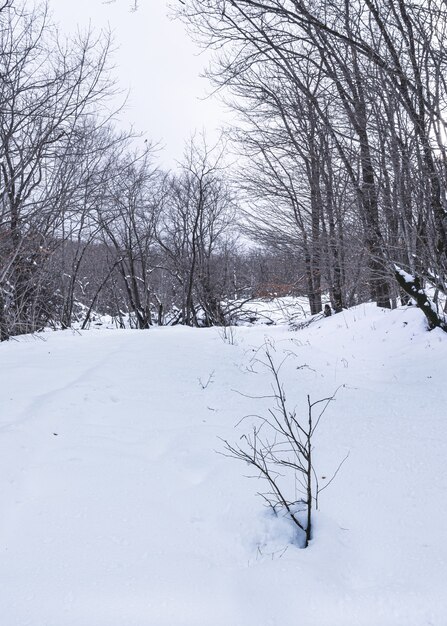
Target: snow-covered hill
117,511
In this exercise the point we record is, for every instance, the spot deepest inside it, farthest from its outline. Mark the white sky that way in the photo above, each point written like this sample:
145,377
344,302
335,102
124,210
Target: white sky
157,61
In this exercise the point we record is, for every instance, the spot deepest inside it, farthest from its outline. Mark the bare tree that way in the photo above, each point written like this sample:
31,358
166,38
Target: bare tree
381,102
195,229
128,221
49,86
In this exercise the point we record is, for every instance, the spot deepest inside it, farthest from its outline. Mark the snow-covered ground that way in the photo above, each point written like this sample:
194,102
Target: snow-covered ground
116,510
266,311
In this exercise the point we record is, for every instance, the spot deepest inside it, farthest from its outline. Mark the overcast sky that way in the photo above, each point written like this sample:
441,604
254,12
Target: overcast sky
156,60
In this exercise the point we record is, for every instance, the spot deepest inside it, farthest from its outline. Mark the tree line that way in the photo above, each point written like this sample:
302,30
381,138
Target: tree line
342,124
90,223
337,189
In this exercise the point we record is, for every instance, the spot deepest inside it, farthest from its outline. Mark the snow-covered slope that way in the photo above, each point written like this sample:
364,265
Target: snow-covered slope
115,509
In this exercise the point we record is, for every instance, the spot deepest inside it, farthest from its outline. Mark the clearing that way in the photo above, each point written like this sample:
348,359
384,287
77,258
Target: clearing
116,509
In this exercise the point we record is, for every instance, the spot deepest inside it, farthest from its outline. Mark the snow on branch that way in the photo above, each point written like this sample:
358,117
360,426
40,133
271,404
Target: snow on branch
412,286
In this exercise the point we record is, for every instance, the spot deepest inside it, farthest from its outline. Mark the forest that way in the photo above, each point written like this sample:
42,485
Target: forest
331,184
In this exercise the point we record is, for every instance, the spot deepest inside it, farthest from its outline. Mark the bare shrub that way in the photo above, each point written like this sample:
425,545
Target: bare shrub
279,449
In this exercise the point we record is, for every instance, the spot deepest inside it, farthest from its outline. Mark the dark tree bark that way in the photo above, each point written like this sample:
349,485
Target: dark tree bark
412,286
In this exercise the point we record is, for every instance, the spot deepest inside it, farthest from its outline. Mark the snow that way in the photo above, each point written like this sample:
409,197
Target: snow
265,311
408,278
116,509
272,310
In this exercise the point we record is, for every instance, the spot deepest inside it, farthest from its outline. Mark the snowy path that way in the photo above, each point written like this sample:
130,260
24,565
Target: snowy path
116,510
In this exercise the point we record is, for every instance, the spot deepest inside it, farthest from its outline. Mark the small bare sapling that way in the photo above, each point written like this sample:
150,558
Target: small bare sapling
279,449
